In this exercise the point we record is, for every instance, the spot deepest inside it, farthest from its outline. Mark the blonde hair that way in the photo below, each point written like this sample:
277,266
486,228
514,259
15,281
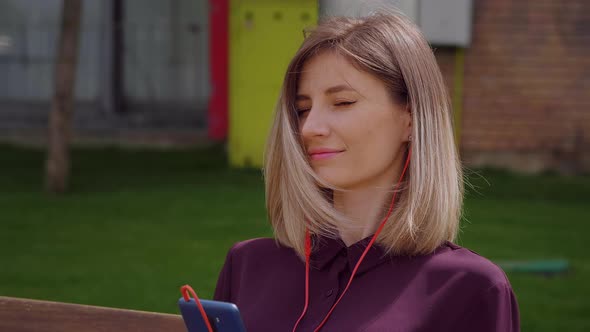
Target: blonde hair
428,208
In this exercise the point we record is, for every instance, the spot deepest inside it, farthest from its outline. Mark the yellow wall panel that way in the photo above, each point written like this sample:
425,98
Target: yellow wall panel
264,35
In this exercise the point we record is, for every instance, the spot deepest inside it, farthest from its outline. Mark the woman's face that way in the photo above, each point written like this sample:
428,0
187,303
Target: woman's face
352,130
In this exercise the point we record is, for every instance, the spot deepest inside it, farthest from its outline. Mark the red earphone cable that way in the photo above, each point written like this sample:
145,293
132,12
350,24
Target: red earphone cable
308,241
185,290
307,254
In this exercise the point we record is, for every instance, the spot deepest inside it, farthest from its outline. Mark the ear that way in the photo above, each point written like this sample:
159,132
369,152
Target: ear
409,122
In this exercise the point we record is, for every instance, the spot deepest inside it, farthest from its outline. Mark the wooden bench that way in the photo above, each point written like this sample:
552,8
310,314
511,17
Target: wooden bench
24,315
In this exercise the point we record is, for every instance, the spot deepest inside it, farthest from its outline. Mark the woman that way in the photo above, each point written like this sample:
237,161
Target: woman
364,192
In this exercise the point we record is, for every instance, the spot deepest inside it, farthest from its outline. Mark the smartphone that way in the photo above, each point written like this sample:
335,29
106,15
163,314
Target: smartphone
223,316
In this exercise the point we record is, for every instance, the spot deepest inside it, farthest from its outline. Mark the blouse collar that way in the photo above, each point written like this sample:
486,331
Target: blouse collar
326,249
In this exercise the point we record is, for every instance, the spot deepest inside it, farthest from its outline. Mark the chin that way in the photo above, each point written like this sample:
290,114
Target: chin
335,179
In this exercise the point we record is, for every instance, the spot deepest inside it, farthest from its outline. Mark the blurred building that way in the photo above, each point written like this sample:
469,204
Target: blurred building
518,72
524,85
143,69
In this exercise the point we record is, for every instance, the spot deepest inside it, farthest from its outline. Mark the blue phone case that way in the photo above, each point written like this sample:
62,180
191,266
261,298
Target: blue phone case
223,316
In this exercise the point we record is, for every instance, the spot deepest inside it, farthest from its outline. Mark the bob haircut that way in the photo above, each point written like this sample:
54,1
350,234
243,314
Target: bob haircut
428,207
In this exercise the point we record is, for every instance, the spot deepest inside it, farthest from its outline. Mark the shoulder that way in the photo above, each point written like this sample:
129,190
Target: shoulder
245,263
256,260
259,249
254,246
466,266
478,288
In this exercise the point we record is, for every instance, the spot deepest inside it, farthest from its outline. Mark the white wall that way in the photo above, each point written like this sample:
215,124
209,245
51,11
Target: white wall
443,22
29,32
167,56
357,8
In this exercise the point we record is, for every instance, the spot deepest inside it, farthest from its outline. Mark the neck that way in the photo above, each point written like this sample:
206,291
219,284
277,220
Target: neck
365,208
366,205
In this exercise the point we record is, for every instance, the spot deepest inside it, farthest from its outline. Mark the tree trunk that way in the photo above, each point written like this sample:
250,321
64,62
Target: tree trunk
58,159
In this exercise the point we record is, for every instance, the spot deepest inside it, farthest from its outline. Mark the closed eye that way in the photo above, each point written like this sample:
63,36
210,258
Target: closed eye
301,112
344,103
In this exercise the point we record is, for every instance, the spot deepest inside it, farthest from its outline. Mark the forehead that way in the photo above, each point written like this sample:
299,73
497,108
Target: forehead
329,69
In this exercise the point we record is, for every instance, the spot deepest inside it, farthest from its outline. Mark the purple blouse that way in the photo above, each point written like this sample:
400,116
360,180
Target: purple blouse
451,289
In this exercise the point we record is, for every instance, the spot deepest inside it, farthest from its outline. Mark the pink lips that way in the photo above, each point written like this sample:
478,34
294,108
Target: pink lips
321,154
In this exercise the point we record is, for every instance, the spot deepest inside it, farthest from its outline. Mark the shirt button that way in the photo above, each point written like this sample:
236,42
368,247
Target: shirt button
329,293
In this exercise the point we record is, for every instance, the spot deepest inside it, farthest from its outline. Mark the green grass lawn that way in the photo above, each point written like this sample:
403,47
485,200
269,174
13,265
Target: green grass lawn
139,224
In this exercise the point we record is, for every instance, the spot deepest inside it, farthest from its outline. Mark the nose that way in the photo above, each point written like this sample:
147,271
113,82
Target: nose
314,123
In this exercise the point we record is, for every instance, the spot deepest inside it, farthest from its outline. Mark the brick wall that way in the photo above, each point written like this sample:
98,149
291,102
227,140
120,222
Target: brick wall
526,85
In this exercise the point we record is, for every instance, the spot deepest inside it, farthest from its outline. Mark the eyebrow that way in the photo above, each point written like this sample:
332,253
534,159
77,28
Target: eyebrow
331,90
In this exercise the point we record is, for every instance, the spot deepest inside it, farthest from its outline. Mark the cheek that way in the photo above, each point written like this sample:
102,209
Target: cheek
375,144
370,141
376,134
